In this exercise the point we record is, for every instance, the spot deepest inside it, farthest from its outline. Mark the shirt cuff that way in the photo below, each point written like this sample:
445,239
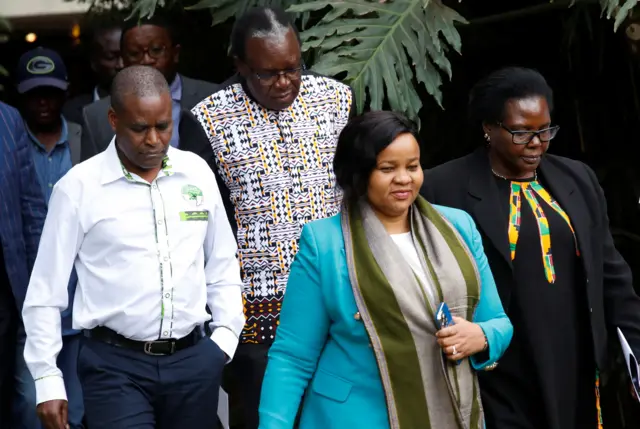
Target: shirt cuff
226,340
49,389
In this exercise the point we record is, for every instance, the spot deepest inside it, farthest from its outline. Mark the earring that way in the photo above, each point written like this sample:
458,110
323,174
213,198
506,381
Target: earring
487,137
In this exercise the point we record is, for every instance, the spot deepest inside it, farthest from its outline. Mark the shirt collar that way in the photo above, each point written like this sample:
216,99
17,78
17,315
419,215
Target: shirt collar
96,95
64,135
176,88
113,169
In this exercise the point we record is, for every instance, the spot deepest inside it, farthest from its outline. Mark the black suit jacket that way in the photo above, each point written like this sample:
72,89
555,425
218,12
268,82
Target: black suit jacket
97,133
467,183
72,109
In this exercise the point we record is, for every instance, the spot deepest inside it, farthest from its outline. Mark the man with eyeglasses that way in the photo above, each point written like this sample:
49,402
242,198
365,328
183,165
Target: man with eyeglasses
151,42
273,129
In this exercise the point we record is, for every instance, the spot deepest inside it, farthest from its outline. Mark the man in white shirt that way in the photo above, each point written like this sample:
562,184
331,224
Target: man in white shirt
146,229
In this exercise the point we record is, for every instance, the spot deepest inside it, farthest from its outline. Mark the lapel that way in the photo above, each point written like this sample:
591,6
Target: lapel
190,96
486,205
563,189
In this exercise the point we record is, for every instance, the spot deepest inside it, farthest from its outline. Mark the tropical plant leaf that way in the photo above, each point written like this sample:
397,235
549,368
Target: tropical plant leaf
383,46
619,10
5,26
222,10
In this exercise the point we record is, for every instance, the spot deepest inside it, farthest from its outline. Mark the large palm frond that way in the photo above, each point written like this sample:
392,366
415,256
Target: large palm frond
5,27
617,9
221,10
381,47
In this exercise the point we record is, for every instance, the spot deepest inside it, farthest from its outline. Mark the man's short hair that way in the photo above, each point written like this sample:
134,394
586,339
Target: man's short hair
161,18
139,81
260,22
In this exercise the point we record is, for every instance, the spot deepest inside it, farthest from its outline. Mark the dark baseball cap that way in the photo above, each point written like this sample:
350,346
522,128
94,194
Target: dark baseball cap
41,67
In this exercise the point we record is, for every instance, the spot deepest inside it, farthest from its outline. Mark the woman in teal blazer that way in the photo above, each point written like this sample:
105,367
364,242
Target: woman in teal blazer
358,345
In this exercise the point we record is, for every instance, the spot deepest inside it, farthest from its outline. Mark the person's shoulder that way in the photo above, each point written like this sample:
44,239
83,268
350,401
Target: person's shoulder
319,82
202,89
188,162
572,166
326,232
97,107
9,111
81,176
212,100
455,165
459,218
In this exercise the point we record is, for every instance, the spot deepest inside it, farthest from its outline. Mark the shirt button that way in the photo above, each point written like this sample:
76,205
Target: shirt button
357,316
50,159
154,186
167,295
51,185
166,258
165,333
160,222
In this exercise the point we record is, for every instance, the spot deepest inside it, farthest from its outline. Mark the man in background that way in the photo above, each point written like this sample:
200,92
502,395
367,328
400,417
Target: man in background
104,54
273,131
22,213
151,42
54,145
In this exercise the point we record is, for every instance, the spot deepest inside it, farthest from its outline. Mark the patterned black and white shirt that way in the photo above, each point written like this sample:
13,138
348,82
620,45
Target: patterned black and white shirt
278,168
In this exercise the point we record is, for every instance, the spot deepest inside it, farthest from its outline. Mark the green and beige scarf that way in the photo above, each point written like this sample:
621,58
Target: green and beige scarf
423,390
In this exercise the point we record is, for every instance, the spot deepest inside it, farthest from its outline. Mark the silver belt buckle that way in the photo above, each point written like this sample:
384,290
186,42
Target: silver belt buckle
148,348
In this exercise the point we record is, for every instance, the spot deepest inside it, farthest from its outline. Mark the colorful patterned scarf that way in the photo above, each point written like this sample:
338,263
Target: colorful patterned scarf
530,189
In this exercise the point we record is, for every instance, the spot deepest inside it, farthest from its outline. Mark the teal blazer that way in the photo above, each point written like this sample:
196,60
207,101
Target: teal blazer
322,352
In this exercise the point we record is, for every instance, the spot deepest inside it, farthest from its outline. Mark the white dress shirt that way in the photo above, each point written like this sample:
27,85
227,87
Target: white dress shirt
149,258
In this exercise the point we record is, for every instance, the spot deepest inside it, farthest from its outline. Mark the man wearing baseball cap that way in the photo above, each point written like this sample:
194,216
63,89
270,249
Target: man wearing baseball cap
54,143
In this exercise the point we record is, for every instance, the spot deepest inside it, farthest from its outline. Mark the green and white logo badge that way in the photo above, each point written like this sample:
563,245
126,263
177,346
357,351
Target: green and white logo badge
192,193
40,65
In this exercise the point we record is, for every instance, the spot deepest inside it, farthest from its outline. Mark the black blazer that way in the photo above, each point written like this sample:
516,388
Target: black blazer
467,183
72,109
97,132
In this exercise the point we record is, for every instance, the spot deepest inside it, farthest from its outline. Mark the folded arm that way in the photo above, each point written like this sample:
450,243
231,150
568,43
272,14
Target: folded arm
301,336
47,295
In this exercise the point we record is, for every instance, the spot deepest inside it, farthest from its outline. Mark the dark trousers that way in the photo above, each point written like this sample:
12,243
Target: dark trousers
243,382
126,389
8,332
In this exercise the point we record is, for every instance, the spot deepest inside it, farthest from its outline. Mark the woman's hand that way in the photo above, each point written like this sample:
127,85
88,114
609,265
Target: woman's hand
461,340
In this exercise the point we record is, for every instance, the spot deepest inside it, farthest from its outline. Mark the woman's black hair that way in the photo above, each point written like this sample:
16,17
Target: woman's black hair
258,20
360,143
489,96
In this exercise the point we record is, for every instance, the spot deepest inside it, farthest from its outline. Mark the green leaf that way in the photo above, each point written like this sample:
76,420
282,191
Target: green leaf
619,10
382,46
222,10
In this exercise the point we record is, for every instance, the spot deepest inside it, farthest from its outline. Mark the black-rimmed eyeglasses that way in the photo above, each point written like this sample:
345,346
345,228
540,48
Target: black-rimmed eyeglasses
271,77
524,137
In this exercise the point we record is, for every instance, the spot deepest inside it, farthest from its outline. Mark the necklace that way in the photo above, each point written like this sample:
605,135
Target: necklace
535,175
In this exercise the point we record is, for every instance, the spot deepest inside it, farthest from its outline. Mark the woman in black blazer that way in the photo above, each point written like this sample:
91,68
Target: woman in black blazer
544,225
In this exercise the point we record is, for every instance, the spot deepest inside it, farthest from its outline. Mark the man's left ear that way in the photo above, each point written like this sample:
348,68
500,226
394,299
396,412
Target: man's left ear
113,118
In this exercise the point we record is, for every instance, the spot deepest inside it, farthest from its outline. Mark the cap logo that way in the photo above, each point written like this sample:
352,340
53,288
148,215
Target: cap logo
40,65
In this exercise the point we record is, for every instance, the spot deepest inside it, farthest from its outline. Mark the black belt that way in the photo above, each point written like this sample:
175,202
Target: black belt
151,348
